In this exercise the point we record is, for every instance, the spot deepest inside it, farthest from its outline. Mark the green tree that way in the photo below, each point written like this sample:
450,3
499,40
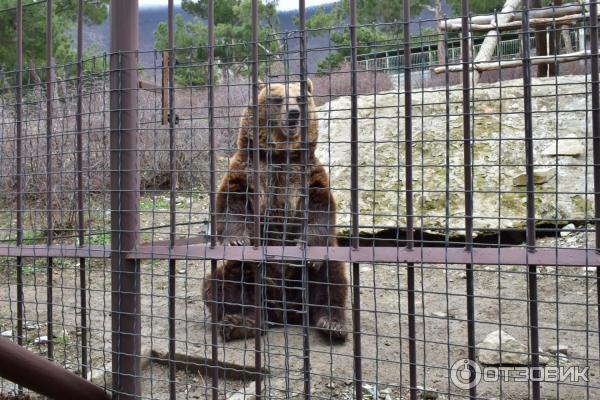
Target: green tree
478,6
233,35
34,30
371,38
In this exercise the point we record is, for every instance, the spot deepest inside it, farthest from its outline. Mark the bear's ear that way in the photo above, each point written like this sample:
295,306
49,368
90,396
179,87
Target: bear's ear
309,85
261,84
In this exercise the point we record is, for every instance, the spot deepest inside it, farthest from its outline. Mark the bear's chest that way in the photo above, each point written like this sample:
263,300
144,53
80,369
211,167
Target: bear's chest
281,205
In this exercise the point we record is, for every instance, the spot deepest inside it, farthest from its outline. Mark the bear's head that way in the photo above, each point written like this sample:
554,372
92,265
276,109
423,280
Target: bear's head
280,118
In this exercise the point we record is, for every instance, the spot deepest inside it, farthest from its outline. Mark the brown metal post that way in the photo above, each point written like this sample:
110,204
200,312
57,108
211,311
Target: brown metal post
212,205
19,178
468,176
125,185
168,66
256,181
305,187
356,335
80,212
49,217
410,267
25,368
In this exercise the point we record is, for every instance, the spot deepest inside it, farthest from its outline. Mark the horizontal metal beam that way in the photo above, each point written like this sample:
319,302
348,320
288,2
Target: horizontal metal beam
426,255
57,250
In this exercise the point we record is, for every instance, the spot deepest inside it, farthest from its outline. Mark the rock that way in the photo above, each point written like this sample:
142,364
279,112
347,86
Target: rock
565,147
427,393
181,271
567,230
441,314
40,340
539,176
513,351
8,333
31,325
247,393
560,349
371,390
495,161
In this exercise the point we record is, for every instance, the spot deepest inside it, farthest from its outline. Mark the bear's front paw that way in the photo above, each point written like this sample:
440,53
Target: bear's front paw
332,328
236,241
236,326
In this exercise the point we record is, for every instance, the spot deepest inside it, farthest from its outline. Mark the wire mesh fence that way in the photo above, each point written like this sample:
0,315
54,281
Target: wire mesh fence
308,213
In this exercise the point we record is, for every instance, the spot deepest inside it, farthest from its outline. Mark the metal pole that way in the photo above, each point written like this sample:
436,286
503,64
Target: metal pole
356,338
256,179
19,144
49,217
125,185
468,176
25,368
410,268
80,213
172,205
212,204
305,188
529,160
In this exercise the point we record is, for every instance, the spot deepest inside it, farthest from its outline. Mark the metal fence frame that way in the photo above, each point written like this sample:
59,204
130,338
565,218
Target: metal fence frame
126,253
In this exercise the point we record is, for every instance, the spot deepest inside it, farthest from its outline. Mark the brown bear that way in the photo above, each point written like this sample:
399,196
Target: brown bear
282,208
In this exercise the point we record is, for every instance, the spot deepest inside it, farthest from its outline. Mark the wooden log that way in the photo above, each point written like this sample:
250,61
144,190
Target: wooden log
516,25
488,47
454,24
491,66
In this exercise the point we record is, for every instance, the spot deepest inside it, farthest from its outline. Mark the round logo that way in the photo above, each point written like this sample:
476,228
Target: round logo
465,374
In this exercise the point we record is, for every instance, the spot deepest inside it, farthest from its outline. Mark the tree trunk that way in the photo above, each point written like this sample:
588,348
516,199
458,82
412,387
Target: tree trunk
440,33
541,44
555,45
488,47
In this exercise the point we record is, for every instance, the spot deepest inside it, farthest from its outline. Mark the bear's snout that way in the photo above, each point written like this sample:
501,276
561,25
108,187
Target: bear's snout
293,118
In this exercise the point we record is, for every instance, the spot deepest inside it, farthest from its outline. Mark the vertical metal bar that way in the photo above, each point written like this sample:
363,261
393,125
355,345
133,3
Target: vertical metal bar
468,176
529,161
19,144
595,133
212,201
49,216
410,273
305,183
256,199
125,186
80,214
356,334
173,195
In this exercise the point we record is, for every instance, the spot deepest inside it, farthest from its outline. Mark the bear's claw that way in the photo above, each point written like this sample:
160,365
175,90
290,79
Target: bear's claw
332,328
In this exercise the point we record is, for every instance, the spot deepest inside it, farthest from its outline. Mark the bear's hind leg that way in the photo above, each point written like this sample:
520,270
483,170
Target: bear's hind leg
235,300
328,290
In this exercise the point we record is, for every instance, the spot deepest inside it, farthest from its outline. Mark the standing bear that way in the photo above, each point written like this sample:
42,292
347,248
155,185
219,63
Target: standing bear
282,209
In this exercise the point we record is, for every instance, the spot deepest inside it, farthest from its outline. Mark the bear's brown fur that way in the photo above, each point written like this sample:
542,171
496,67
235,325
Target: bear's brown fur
281,209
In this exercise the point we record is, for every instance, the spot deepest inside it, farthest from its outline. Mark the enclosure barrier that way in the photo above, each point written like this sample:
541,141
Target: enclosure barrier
131,306
44,377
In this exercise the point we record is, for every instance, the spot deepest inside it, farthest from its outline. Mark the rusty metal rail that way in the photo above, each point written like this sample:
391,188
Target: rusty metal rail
42,376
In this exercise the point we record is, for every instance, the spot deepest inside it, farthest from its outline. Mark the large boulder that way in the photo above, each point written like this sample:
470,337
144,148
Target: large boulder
562,143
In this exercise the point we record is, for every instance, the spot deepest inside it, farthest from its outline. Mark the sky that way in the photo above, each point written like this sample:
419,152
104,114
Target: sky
283,5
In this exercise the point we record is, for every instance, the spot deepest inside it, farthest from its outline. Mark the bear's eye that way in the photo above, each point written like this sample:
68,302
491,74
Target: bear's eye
300,99
275,100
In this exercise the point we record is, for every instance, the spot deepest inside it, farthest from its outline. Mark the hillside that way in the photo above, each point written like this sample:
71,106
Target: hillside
98,36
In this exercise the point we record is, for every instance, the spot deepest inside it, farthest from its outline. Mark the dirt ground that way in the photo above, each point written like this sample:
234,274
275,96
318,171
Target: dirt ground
568,316
567,309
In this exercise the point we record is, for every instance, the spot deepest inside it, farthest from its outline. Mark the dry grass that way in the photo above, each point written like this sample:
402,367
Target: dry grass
191,138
